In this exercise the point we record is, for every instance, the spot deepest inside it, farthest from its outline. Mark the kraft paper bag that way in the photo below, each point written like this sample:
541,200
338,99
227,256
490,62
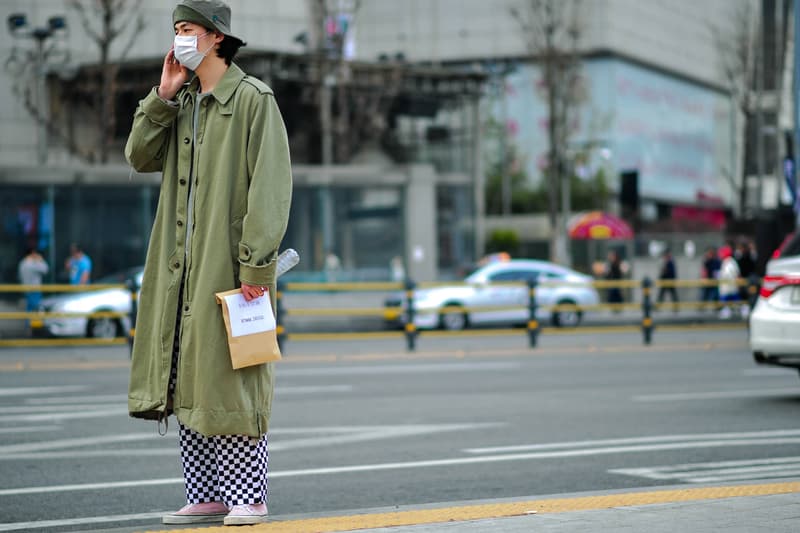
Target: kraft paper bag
251,328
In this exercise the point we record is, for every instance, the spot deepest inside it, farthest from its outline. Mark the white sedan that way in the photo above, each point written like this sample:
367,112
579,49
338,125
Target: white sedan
775,319
91,301
502,285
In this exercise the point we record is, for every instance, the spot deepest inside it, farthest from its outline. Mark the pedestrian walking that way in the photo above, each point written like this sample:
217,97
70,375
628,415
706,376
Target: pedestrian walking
78,265
746,261
31,270
220,143
668,274
728,282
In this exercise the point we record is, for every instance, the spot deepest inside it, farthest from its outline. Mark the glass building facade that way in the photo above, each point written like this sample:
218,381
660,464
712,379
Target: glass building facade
112,223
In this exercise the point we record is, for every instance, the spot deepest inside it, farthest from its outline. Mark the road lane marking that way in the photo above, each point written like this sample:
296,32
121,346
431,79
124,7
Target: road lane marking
400,369
375,433
770,372
25,391
69,402
295,359
74,443
97,398
423,464
19,409
463,513
92,454
719,471
30,429
43,524
320,436
717,395
636,440
53,417
312,389
91,486
548,505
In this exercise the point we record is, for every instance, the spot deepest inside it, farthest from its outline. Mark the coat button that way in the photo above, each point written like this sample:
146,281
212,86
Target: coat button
177,265
182,181
186,308
180,223
186,140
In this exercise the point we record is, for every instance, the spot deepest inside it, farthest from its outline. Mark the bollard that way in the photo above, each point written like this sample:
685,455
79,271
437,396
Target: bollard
134,311
533,324
647,320
410,327
280,331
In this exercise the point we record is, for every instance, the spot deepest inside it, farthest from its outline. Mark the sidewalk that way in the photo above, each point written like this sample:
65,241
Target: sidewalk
751,507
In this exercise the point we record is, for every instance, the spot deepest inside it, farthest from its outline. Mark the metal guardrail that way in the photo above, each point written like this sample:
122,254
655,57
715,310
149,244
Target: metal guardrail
646,304
37,318
405,313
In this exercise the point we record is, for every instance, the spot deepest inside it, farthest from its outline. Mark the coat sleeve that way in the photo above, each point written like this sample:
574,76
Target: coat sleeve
147,143
269,195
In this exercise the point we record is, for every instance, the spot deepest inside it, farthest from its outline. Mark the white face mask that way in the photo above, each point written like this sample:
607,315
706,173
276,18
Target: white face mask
186,52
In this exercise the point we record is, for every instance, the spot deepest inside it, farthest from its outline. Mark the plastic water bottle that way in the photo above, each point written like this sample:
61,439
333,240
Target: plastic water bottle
286,261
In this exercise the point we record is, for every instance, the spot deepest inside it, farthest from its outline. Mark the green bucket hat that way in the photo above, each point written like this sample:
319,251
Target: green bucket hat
211,14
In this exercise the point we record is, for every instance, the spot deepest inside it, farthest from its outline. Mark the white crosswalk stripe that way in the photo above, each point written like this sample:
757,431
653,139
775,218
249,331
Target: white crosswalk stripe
720,471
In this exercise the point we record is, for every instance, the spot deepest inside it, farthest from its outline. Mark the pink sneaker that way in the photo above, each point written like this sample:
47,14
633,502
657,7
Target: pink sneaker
242,515
196,513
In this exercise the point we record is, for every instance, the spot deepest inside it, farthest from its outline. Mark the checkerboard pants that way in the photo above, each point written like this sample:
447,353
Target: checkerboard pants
222,468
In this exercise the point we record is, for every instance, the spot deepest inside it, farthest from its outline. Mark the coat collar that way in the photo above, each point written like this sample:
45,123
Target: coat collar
225,87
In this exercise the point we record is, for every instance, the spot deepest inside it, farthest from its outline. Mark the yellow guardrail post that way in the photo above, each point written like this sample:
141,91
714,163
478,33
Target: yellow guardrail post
647,308
753,288
280,329
410,326
533,323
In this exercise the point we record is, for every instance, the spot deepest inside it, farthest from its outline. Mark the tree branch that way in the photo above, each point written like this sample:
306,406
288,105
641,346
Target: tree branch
78,6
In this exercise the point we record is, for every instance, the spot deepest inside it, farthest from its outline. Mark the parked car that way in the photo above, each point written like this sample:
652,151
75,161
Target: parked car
91,301
490,285
775,319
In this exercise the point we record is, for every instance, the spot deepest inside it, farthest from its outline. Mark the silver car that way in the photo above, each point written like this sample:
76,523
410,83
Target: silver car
501,284
775,319
92,301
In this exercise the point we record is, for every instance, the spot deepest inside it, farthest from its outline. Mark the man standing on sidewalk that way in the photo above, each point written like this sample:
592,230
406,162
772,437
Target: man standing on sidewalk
219,140
32,270
668,274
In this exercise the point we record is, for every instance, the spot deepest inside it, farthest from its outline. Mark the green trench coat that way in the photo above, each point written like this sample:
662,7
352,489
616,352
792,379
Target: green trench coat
242,193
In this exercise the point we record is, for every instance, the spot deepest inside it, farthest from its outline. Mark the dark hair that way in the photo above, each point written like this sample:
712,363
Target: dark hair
227,48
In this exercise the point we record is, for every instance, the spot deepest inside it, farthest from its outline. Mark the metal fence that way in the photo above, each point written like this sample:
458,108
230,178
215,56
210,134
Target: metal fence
640,299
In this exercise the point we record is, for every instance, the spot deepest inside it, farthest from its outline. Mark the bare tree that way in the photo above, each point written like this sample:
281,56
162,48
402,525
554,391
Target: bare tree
104,21
737,46
551,30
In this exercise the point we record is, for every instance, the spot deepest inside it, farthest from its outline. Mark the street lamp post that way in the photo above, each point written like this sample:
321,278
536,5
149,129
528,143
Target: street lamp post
18,28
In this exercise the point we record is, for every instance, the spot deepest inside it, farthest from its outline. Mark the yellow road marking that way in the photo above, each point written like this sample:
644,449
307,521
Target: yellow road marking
24,343
103,364
521,508
41,366
352,336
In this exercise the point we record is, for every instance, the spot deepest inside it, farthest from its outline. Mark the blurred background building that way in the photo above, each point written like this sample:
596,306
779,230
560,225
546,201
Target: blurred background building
422,129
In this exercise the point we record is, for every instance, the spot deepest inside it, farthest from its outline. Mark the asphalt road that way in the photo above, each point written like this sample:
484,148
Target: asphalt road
363,424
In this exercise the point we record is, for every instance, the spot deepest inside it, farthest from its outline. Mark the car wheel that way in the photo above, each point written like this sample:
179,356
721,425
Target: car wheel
102,328
568,318
454,320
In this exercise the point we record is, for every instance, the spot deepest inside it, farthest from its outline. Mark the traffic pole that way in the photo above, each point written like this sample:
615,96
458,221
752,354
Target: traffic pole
647,320
410,326
533,324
